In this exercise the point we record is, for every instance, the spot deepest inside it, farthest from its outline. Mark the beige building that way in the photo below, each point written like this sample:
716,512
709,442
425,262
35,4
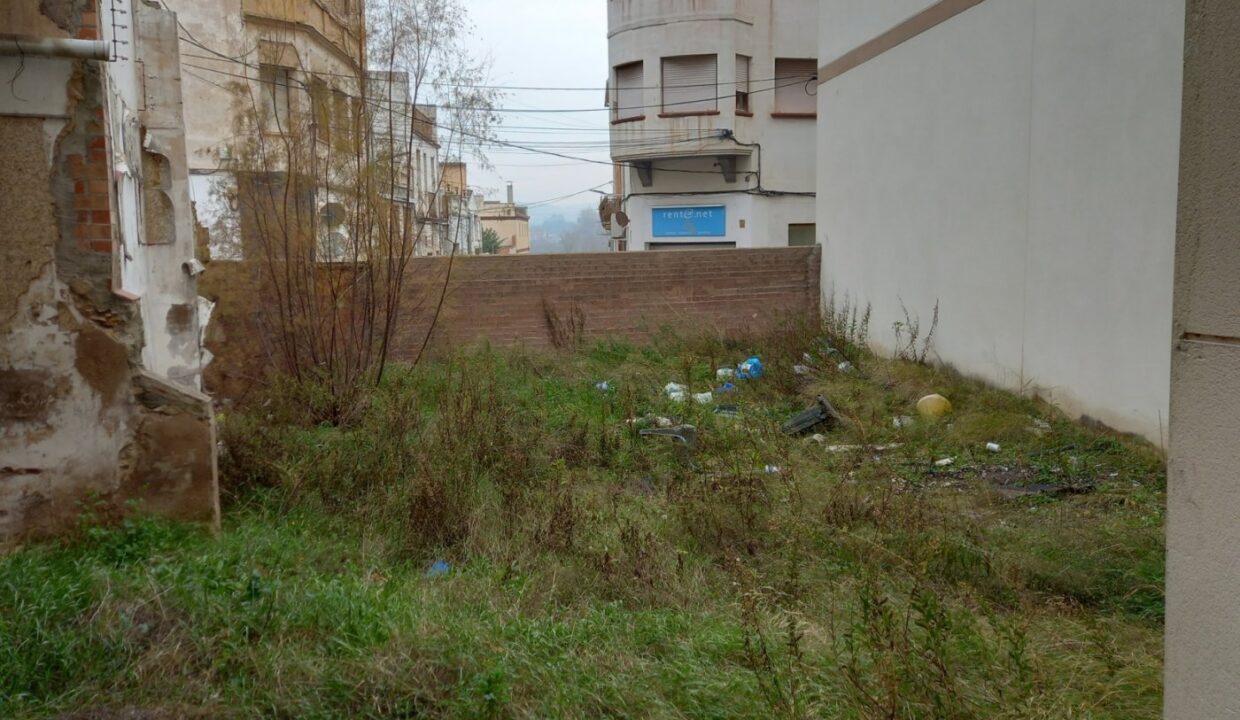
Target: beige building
510,221
292,63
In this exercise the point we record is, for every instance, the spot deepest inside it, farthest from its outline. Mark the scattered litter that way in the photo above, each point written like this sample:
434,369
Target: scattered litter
772,470
807,359
704,398
603,386
801,370
819,438
751,369
945,462
833,351
934,406
725,388
724,373
439,568
821,412
676,392
650,420
727,410
854,448
845,367
685,434
993,447
903,421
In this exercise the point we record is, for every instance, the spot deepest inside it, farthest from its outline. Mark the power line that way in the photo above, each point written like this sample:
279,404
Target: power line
482,139
540,203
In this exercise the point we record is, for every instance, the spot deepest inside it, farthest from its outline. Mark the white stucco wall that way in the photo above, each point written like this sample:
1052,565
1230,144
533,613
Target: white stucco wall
760,29
1016,164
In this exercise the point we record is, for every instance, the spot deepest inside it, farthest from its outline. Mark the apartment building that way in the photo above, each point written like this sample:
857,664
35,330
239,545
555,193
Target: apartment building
256,73
464,208
510,221
405,149
713,116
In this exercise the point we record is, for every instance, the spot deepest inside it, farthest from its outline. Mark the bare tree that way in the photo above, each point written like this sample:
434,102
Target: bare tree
327,204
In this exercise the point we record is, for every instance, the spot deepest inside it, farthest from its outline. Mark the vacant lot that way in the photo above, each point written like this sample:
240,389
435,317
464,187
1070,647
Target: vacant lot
492,537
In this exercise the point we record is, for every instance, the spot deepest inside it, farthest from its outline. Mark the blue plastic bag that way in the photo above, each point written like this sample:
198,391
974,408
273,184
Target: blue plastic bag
751,369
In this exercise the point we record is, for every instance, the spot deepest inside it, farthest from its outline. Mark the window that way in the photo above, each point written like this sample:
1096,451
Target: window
742,84
802,235
275,82
320,101
628,99
690,84
795,87
340,119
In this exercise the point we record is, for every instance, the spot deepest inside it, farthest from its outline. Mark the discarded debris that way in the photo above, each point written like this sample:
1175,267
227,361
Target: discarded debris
945,462
676,392
845,367
820,413
686,435
603,386
751,369
802,370
807,359
855,448
725,388
725,373
438,569
994,447
934,406
650,421
704,398
772,470
727,410
903,421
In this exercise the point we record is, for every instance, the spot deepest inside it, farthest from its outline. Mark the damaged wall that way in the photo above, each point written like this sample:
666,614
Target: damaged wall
82,420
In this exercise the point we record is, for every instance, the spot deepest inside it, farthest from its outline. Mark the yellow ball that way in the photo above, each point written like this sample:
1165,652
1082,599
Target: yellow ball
934,406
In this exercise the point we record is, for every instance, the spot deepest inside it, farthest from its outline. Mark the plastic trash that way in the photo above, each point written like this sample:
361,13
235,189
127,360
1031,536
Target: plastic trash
845,367
801,370
821,412
725,373
439,568
993,447
704,398
772,470
934,406
603,386
751,369
945,462
727,410
807,359
903,421
686,435
725,388
676,392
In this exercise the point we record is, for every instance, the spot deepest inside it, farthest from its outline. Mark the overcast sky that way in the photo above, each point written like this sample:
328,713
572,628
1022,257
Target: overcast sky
546,43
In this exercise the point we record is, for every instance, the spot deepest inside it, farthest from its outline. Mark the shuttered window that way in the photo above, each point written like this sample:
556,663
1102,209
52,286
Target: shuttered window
742,84
629,79
690,84
795,87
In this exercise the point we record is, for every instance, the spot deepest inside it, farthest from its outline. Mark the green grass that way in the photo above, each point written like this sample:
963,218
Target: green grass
599,574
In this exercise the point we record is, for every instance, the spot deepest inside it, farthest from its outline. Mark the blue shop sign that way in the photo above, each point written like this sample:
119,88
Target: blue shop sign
707,221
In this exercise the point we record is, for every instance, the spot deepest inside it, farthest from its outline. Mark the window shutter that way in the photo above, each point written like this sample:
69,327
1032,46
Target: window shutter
794,86
690,84
742,83
629,79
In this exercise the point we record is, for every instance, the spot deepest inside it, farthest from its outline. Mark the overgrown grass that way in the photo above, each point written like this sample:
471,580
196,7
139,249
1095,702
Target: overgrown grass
598,573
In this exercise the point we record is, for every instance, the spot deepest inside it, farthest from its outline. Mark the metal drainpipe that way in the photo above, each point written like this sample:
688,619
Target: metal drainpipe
55,47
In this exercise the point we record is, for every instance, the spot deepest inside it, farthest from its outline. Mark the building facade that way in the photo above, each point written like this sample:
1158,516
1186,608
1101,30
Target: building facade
101,354
463,207
258,72
510,221
1015,163
713,118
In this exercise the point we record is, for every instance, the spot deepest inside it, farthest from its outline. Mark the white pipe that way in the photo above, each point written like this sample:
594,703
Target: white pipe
55,47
